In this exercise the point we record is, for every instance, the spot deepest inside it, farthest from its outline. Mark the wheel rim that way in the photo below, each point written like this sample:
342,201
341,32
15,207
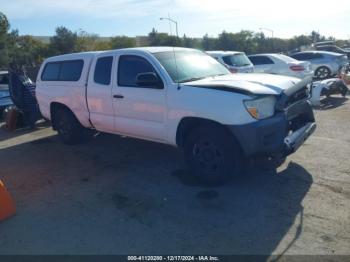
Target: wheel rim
322,72
207,157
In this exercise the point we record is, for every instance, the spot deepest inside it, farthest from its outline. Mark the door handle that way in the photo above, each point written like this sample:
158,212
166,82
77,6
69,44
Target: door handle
118,96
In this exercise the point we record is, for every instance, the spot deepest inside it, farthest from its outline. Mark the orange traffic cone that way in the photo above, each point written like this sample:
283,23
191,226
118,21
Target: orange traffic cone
11,119
7,205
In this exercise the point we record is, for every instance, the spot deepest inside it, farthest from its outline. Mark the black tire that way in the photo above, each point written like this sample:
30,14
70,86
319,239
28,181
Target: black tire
70,131
212,154
322,72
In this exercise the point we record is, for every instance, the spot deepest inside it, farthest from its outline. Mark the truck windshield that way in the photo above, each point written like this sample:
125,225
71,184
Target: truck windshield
190,65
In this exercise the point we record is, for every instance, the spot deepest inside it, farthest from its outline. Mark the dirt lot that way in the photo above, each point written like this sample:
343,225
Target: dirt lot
117,195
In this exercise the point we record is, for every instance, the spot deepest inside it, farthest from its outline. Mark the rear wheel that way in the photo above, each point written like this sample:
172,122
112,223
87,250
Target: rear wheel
212,154
70,131
322,72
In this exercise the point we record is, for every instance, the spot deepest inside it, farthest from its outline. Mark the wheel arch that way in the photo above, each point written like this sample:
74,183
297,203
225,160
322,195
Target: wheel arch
187,124
54,106
325,66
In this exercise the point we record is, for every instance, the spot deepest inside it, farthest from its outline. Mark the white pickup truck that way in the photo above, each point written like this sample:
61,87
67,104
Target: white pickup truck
177,96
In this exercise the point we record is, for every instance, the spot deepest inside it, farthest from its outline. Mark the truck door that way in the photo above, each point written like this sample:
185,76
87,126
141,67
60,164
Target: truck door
139,111
99,94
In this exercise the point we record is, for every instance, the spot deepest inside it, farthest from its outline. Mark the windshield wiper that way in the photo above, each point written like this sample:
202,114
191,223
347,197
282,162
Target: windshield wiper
218,75
192,79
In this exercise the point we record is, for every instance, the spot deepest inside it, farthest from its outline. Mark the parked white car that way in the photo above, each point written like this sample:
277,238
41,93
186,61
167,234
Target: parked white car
236,62
177,96
280,64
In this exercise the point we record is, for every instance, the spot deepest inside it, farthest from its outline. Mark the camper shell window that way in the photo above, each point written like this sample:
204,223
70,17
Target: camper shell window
69,70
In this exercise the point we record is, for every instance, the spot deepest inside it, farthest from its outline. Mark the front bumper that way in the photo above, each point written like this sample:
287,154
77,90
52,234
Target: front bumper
297,138
281,134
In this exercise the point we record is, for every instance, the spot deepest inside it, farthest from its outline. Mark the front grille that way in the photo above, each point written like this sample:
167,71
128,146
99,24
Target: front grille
301,94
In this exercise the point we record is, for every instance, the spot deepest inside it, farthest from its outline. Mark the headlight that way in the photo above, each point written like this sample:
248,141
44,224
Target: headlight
262,107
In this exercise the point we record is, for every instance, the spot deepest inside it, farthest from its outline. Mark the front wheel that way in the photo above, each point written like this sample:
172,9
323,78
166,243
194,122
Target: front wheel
322,72
212,154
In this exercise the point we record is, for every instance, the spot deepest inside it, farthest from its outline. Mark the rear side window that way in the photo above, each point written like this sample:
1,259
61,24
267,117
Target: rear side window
261,60
51,72
317,56
103,69
63,71
71,70
304,56
129,67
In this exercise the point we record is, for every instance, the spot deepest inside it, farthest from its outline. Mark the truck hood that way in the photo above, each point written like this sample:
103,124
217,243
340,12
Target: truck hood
260,84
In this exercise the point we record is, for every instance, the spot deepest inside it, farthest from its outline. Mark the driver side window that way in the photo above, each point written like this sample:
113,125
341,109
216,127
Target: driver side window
129,67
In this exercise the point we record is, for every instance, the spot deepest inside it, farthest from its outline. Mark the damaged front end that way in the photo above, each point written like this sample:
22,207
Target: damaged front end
284,132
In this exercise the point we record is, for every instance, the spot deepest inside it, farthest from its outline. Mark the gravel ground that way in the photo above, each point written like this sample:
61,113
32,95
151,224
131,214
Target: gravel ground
117,195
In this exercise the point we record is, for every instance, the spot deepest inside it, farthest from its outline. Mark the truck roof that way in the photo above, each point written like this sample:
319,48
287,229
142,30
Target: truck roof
151,49
158,49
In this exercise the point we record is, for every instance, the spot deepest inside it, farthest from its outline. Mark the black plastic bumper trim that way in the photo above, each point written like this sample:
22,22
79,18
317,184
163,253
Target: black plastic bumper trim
281,134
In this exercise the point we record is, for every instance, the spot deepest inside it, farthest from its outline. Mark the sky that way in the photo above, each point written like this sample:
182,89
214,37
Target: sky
195,18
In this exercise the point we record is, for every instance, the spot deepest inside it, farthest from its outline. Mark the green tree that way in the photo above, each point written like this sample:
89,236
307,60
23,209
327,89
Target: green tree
241,41
296,42
189,42
4,28
64,42
225,42
28,52
162,39
316,37
103,45
209,43
86,42
122,42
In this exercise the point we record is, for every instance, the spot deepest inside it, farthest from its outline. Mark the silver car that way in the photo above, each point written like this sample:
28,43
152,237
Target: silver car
280,65
236,62
324,64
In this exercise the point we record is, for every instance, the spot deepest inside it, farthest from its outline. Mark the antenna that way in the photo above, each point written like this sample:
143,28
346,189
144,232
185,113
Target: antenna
177,72
177,35
171,32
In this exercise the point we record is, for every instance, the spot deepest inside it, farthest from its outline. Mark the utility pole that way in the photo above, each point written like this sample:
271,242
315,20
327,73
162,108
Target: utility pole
173,21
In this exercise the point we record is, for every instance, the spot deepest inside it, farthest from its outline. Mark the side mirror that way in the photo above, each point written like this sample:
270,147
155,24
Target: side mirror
149,79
